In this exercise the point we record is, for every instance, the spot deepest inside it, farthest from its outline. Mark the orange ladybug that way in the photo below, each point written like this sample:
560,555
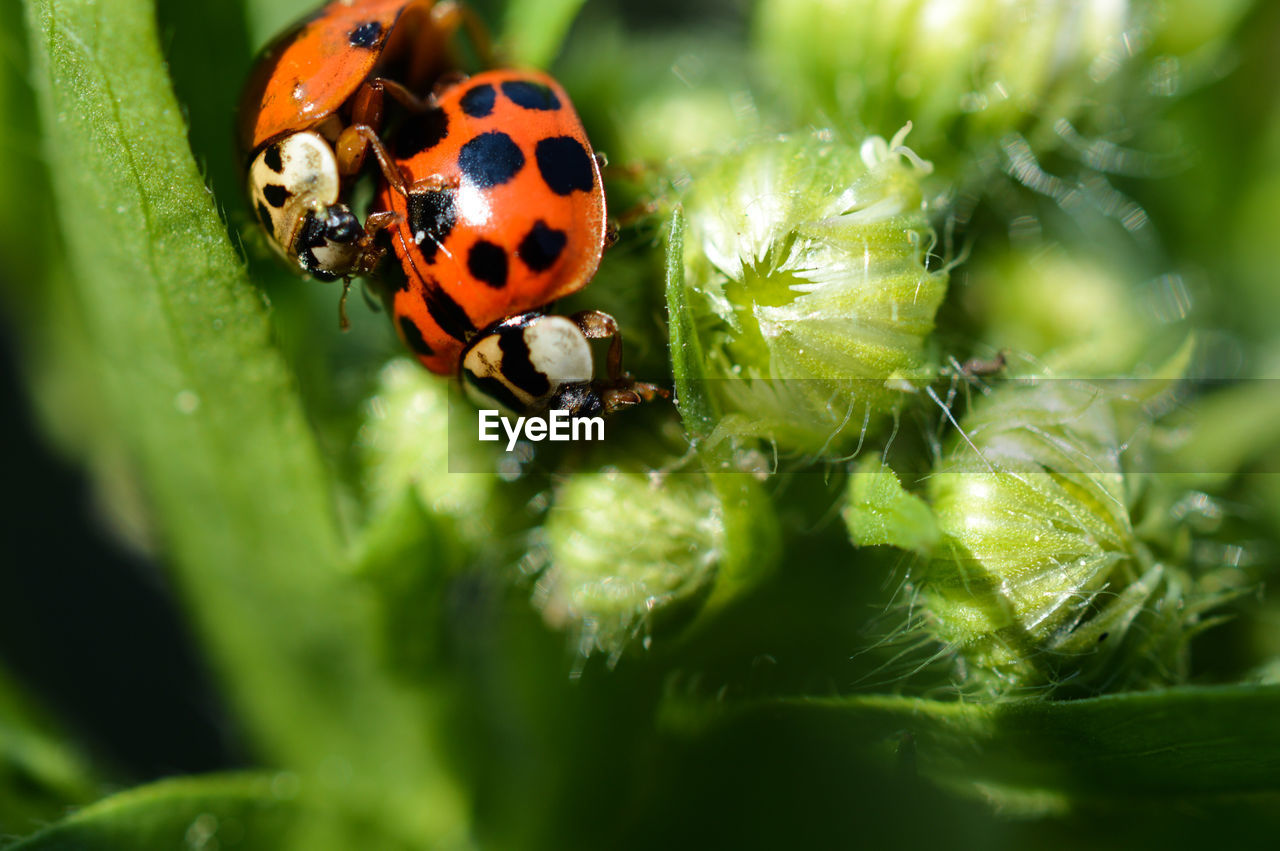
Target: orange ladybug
312,110
504,213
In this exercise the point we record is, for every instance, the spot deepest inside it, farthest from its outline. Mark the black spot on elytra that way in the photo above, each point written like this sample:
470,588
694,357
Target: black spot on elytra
488,262
431,214
366,35
531,95
490,159
275,194
478,101
517,365
447,313
421,132
541,246
271,157
264,215
413,338
565,165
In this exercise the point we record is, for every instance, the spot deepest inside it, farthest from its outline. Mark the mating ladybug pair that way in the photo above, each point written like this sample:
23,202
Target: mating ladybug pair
488,190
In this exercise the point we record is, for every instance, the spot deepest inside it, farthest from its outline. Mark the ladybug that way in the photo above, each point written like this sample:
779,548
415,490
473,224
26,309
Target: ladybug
312,109
504,213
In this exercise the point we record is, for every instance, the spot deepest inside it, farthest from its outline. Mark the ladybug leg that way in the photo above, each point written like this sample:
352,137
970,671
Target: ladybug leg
597,325
401,94
343,322
351,147
433,183
431,27
630,216
371,254
368,259
622,392
366,106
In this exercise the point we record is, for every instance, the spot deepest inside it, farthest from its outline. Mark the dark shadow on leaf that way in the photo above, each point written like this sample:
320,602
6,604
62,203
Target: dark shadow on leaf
209,54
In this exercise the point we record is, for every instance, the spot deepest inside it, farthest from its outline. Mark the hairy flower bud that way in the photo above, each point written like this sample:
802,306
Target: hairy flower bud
1040,578
968,72
622,547
805,263
1075,314
405,440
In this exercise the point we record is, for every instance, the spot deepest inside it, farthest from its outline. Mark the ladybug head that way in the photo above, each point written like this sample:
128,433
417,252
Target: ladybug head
532,362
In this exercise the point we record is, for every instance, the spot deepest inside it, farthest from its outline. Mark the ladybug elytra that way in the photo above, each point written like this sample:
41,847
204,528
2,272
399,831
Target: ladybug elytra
312,110
504,213
487,191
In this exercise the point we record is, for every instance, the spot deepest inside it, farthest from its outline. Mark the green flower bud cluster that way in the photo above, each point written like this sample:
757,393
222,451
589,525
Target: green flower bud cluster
1076,313
805,262
620,547
1040,578
405,443
968,73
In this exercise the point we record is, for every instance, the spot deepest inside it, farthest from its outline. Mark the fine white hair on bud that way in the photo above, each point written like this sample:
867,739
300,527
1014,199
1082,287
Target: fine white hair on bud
806,266
405,443
1040,578
971,73
620,549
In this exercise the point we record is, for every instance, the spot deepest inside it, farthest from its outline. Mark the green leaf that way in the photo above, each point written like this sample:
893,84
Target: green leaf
248,812
41,774
687,361
1220,433
1035,756
880,511
533,30
753,541
183,352
408,556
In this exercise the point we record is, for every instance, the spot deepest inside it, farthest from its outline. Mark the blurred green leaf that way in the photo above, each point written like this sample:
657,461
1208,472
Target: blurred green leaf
533,30
183,351
41,774
248,811
1038,756
687,361
1221,432
409,555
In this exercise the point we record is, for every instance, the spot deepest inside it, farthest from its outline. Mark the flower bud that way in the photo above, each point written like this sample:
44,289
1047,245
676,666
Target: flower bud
1077,315
968,72
405,443
1040,579
623,549
805,267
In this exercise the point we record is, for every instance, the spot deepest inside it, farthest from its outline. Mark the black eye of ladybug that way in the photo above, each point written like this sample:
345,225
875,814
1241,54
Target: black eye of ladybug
342,226
578,398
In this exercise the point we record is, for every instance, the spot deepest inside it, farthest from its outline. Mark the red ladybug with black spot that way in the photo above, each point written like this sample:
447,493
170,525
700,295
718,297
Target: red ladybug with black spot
312,110
504,213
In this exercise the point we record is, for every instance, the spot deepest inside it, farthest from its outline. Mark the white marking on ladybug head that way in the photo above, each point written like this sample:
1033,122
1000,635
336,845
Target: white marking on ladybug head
288,179
559,350
524,361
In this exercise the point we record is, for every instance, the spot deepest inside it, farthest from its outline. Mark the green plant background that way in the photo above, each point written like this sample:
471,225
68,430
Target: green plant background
382,679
